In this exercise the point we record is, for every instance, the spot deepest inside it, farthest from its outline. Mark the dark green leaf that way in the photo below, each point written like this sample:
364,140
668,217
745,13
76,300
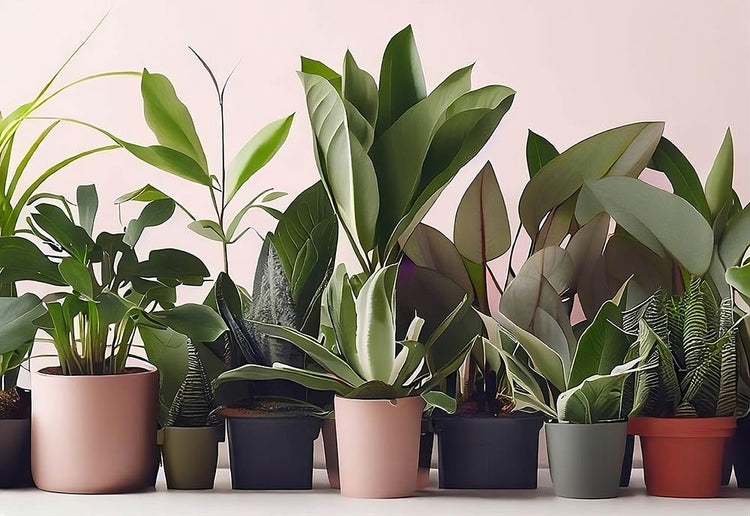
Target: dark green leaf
88,204
198,322
313,67
154,214
539,152
77,276
22,260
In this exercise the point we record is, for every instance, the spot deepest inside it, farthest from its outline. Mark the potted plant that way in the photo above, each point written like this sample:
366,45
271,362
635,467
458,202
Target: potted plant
92,324
647,246
17,315
686,404
585,393
382,385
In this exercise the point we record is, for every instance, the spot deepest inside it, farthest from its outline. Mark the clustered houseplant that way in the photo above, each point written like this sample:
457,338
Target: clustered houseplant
110,293
17,315
382,384
686,401
272,425
485,445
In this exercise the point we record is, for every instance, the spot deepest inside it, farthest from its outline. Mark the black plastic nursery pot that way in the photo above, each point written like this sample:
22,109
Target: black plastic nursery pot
15,453
585,460
477,452
272,452
741,452
627,461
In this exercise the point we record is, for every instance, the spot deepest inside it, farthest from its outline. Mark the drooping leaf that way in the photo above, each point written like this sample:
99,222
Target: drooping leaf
17,316
736,238
256,153
198,322
482,231
739,278
21,260
207,229
539,152
309,379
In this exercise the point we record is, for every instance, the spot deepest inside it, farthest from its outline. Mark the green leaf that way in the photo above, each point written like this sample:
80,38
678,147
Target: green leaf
360,89
172,267
344,166
482,231
17,316
376,325
167,350
685,181
207,229
651,215
539,152
77,276
440,400
198,322
739,278
153,214
719,181
22,260
169,119
313,67
736,238
623,151
88,203
169,160
53,221
428,247
144,194
309,379
401,83
257,153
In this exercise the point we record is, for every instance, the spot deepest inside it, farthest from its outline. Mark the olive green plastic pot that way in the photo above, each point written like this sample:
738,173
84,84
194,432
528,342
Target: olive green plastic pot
190,455
585,461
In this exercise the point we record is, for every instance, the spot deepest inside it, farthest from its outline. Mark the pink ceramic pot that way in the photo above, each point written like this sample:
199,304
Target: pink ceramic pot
94,434
378,446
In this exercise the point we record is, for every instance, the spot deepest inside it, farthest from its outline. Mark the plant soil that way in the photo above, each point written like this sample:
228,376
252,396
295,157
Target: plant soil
15,404
57,371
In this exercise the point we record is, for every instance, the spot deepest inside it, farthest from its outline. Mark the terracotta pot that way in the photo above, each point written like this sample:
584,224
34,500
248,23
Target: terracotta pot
682,457
15,453
378,446
94,434
190,455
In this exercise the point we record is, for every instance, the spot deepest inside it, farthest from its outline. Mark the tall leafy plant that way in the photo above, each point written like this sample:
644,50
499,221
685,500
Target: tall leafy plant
111,292
385,151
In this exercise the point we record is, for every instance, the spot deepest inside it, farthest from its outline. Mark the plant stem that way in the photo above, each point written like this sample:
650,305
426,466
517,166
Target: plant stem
223,183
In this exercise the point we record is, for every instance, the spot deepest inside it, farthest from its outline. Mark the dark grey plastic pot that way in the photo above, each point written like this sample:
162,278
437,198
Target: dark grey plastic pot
15,453
488,452
586,460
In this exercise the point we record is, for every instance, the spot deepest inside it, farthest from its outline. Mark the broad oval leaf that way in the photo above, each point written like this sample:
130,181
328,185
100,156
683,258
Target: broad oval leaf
169,119
428,247
257,153
198,322
482,231
77,276
153,214
662,221
623,151
88,204
736,238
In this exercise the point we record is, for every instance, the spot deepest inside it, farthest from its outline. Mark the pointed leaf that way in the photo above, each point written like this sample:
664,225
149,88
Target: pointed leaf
719,181
428,247
539,152
88,203
77,276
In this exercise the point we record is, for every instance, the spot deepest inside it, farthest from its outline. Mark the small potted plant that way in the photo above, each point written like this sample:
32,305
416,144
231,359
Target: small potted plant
17,315
382,384
191,429
92,324
686,405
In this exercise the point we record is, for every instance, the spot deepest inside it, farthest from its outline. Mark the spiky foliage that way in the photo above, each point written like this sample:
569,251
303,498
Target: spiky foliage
691,339
193,404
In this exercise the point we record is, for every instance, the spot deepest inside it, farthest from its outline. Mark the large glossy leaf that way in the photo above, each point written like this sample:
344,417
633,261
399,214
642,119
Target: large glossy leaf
17,316
736,238
22,260
256,153
470,123
169,119
719,181
482,231
402,82
171,266
685,182
198,322
623,151
376,324
360,90
427,247
539,152
344,166
585,250
659,220
88,204
55,223
625,257
555,264
399,152
77,276
155,213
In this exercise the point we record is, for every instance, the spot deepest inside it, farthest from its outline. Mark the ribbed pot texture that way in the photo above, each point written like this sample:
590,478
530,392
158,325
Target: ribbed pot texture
94,434
682,457
378,446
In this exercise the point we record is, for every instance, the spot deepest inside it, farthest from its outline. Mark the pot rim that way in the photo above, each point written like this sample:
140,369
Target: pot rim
612,422
149,369
380,400
512,416
682,427
272,418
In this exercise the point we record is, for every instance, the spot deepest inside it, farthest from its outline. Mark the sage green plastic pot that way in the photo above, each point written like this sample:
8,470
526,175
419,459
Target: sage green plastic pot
190,455
585,461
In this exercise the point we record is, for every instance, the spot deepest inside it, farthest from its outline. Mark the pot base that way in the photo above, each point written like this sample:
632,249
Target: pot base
190,456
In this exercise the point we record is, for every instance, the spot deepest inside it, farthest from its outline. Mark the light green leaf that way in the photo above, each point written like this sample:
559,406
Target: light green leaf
719,181
144,194
309,379
623,151
77,276
207,229
153,214
736,238
257,153
482,231
313,67
88,204
440,400
739,278
169,119
651,216
272,196
376,325
539,152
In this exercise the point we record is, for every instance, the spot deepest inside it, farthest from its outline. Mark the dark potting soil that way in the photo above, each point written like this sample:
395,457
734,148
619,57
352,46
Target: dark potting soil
57,371
15,404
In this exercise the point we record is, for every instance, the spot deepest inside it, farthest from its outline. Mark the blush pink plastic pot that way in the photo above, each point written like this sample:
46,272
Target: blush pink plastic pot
378,446
94,434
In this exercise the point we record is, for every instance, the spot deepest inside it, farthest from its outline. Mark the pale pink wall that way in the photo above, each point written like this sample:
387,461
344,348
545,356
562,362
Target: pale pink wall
578,66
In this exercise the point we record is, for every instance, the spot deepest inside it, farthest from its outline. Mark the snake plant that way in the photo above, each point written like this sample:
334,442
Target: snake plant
194,403
358,350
